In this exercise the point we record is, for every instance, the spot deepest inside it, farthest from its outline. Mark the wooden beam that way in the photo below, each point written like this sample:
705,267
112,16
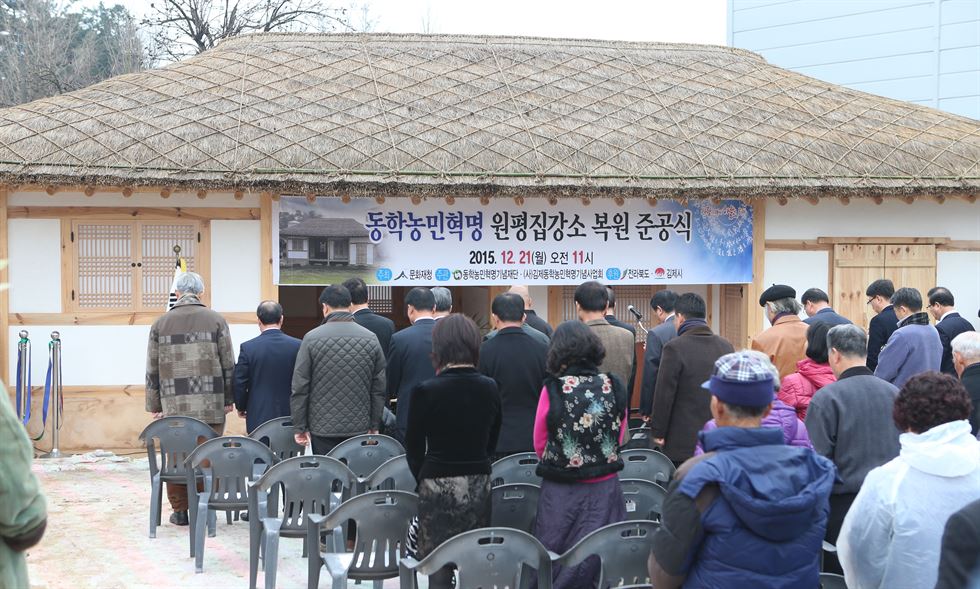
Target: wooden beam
752,314
959,245
121,318
149,213
67,267
4,285
267,286
801,245
204,260
884,240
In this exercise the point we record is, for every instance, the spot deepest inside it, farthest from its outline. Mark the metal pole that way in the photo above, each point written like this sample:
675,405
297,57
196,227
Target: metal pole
55,396
23,361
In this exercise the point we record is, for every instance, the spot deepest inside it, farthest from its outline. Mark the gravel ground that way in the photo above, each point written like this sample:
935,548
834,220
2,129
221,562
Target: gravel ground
97,535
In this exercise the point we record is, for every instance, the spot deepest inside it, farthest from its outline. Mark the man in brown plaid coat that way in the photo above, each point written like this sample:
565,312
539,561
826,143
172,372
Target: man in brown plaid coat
189,367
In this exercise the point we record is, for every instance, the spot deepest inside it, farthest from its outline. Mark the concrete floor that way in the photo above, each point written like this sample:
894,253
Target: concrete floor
97,536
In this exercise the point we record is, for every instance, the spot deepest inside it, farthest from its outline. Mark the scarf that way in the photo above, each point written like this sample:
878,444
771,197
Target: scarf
780,316
690,324
921,318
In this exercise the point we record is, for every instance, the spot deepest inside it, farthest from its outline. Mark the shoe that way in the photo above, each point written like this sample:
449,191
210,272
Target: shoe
179,518
243,516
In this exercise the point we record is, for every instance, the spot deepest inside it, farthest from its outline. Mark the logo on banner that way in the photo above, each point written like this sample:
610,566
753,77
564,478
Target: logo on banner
443,274
613,274
383,274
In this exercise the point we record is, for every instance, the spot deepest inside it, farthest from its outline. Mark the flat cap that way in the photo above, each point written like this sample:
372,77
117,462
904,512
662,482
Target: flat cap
776,292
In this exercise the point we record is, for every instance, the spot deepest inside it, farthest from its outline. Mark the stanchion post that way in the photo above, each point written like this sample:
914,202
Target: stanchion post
55,396
23,380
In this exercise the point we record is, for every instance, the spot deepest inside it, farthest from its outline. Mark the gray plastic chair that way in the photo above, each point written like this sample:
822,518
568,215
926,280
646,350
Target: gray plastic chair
169,441
393,475
644,500
277,434
514,506
364,454
832,581
311,485
639,439
622,548
382,519
516,468
227,465
488,557
648,465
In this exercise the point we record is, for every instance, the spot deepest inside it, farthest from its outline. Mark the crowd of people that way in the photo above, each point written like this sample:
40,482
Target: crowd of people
820,431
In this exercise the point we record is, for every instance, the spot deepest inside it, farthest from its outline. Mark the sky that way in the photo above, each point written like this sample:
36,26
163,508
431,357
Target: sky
687,21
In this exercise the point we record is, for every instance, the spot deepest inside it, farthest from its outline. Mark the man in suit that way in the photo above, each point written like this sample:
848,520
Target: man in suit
611,313
966,361
663,305
884,323
914,347
785,341
681,406
949,323
531,318
816,305
264,371
379,325
591,301
516,361
410,357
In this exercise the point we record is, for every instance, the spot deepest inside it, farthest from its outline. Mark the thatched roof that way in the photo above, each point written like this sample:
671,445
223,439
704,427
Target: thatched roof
438,115
325,228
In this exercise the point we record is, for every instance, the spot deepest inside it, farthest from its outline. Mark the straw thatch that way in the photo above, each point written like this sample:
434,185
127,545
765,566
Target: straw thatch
463,116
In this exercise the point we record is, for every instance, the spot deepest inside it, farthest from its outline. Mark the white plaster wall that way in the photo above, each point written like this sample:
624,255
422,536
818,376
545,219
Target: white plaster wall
137,199
960,273
798,219
539,296
236,265
35,265
801,270
106,355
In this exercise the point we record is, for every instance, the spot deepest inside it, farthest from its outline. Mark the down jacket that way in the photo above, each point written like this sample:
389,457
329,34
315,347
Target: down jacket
782,416
798,388
339,380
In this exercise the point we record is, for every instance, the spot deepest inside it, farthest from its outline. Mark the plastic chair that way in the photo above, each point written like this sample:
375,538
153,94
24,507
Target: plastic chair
227,464
488,557
393,475
277,434
644,500
832,581
174,438
364,454
312,485
516,468
514,506
639,439
648,465
622,548
382,519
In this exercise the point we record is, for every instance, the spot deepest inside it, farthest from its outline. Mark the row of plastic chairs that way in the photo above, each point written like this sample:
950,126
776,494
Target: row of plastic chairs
639,463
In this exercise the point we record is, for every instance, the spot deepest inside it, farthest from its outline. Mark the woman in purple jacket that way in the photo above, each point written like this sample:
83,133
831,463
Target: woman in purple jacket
782,415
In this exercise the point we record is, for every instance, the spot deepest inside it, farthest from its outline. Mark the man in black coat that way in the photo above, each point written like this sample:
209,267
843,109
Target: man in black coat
663,302
516,361
816,305
530,317
884,323
410,355
611,314
264,371
949,324
960,553
379,325
966,361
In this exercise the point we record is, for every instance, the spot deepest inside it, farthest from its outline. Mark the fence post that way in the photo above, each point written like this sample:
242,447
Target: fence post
55,396
23,377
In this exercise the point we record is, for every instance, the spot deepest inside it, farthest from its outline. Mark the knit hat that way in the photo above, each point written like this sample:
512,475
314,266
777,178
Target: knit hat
742,379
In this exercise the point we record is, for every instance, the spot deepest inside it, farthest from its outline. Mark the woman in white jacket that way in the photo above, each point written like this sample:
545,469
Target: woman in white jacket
892,534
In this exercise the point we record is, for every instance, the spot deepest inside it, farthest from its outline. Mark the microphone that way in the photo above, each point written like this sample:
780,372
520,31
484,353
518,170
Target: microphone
635,313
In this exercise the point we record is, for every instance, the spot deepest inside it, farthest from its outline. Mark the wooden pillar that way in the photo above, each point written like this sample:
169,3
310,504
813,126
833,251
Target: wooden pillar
4,285
268,287
554,305
753,313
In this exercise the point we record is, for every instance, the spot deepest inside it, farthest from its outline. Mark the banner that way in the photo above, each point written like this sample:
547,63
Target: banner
398,243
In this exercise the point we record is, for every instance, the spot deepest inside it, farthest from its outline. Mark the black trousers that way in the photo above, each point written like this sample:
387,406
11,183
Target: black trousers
322,445
840,503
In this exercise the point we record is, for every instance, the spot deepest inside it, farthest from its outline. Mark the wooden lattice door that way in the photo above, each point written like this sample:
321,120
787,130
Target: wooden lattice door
156,272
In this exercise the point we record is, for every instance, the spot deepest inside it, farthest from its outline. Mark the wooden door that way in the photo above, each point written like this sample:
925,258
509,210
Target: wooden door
731,326
855,267
913,266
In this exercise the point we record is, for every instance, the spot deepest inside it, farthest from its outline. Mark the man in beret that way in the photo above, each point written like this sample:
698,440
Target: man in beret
785,341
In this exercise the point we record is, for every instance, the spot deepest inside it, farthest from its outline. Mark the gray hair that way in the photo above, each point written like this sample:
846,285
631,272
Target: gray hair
443,297
189,283
967,344
767,362
787,305
850,340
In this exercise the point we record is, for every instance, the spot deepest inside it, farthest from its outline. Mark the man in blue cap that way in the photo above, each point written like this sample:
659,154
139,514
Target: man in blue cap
751,511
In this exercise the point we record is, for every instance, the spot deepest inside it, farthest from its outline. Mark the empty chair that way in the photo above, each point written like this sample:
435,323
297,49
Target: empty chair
648,465
516,468
639,439
514,506
277,434
364,454
622,548
832,581
393,475
227,465
311,485
488,557
644,500
169,441
381,519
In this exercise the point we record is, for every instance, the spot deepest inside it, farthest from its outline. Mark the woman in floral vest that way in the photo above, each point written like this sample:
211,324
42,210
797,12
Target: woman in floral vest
578,429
